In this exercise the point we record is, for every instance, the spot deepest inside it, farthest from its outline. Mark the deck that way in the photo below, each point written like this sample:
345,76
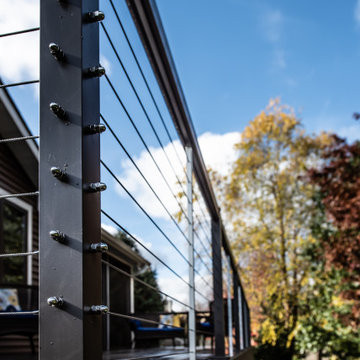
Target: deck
166,354
156,353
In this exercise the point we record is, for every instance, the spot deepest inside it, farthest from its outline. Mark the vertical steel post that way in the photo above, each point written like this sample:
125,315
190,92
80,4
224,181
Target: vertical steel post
70,273
229,307
246,328
218,306
107,276
192,315
236,310
241,318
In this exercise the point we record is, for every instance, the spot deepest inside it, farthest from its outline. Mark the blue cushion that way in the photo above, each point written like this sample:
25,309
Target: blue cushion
206,325
158,330
17,316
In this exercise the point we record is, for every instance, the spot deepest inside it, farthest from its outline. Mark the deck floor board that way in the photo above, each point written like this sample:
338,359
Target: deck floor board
155,354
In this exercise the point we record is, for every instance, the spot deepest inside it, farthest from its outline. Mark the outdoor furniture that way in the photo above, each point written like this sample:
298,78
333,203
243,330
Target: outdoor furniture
148,334
24,325
20,299
205,327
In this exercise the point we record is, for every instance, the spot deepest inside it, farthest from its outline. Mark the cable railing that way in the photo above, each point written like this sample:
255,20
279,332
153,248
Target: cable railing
127,220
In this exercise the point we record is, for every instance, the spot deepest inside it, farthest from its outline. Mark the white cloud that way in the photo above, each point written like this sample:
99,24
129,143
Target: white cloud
110,229
147,244
218,152
351,132
180,291
105,63
19,58
272,24
357,12
279,58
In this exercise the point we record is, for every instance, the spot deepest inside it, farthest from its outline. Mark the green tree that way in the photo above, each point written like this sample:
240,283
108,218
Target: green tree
146,299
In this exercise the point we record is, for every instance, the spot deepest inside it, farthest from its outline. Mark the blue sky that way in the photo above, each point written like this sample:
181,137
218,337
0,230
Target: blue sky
232,56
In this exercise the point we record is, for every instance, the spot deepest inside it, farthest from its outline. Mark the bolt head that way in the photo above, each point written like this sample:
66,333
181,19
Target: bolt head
57,110
99,247
57,235
98,186
55,301
96,16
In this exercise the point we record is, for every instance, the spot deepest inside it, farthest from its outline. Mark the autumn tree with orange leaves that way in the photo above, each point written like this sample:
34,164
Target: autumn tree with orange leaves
268,205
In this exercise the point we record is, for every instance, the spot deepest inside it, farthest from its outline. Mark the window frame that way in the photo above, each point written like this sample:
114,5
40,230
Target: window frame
29,229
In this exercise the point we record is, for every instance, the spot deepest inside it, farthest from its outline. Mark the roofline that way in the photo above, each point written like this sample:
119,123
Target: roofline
123,248
18,120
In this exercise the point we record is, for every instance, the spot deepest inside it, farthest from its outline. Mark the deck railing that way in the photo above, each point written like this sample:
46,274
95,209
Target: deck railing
162,201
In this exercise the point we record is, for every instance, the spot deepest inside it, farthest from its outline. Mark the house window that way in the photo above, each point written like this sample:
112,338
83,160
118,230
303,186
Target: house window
13,239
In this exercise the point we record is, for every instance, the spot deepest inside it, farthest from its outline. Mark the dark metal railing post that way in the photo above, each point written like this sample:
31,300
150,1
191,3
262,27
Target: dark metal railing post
236,311
241,317
229,305
218,308
246,326
70,273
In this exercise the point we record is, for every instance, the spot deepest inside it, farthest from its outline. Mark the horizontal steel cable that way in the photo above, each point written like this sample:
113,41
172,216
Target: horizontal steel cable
159,356
144,247
141,105
203,279
3,86
143,176
155,223
19,32
158,323
199,257
203,214
144,143
202,243
23,138
145,212
130,317
144,283
145,81
19,313
151,188
204,232
207,268
148,150
7,196
150,252
30,253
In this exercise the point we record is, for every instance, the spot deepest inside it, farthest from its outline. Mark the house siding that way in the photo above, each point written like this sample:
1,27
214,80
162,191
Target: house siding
13,179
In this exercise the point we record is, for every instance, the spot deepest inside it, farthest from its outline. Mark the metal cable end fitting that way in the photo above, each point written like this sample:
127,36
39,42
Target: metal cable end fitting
56,51
96,71
99,309
58,173
96,187
95,16
55,301
57,236
58,110
95,129
99,247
